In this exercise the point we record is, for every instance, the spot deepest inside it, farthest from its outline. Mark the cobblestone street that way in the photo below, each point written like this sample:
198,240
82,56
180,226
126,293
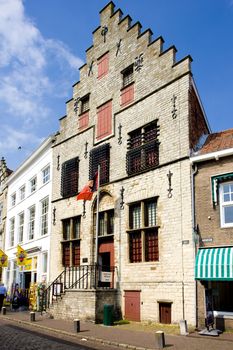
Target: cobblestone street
14,337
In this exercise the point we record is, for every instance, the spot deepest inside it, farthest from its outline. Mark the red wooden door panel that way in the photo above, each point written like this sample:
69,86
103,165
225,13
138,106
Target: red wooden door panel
132,305
165,313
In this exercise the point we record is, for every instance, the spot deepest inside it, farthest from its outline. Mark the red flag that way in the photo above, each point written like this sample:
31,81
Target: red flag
88,190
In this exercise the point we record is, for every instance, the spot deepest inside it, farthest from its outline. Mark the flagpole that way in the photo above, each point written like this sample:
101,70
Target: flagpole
97,217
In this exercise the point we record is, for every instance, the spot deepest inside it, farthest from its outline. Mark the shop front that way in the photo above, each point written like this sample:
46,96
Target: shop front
214,271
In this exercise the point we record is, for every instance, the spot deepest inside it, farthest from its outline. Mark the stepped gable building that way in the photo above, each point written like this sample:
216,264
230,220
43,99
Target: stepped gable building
4,173
136,113
213,179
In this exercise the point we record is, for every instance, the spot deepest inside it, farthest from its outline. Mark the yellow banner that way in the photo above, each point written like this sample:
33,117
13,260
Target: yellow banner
21,256
3,259
28,264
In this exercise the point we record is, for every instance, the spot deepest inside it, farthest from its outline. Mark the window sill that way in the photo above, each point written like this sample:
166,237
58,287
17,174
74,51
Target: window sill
223,314
126,86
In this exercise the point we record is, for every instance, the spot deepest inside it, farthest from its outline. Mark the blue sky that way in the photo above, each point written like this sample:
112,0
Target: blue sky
43,43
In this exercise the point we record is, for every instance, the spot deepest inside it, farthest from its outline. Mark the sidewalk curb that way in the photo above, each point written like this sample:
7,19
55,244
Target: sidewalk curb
74,335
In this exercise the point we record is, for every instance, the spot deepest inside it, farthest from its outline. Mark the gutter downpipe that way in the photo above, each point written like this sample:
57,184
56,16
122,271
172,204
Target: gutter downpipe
194,172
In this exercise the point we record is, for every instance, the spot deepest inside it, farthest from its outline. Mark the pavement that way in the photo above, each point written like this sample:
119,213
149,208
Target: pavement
134,336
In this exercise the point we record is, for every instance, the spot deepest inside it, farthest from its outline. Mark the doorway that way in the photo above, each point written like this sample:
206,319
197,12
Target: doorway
165,313
132,306
27,280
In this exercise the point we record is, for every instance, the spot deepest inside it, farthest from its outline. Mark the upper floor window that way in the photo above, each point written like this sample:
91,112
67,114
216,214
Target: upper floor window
22,192
103,63
226,204
33,183
31,222
85,104
100,156
13,199
21,227
143,149
143,232
127,76
1,212
104,120
71,241
69,177
12,232
46,175
44,216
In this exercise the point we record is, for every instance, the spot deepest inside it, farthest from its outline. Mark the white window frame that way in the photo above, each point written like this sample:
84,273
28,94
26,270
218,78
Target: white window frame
13,199
44,219
224,204
21,226
31,222
33,184
12,232
22,192
46,174
1,212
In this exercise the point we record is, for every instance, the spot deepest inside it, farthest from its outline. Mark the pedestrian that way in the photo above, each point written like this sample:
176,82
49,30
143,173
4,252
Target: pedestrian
2,294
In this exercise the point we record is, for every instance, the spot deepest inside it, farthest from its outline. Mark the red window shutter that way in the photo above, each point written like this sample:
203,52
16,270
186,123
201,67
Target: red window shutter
127,95
83,121
103,64
76,254
66,254
104,120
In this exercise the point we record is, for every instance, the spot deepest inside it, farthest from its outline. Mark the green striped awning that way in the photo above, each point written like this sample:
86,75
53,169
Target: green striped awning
214,264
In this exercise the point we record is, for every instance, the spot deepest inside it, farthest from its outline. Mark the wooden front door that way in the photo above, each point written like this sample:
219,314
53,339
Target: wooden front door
132,305
165,313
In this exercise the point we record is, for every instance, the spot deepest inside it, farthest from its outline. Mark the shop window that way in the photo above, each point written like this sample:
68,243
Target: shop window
31,223
104,120
143,149
143,232
127,92
46,175
12,232
71,241
69,177
44,216
103,65
226,204
21,227
100,156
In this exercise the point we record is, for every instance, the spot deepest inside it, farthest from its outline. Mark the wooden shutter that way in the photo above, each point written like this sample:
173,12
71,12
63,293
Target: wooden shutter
69,178
66,254
104,120
127,95
135,247
76,253
151,246
103,64
100,156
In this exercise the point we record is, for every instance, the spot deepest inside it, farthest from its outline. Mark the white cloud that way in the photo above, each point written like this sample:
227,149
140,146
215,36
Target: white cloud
26,81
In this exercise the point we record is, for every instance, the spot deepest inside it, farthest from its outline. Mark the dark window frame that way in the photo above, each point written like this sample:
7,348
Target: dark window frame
71,241
100,156
128,76
69,177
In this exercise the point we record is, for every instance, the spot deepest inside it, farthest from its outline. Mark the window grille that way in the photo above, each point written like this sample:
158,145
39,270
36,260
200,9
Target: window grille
143,149
128,76
69,177
85,104
135,247
100,156
151,246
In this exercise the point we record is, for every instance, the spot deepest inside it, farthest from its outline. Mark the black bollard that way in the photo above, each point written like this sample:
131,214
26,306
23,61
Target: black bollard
32,316
76,326
4,310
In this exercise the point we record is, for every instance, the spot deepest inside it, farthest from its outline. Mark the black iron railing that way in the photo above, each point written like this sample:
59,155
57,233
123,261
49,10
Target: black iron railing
78,277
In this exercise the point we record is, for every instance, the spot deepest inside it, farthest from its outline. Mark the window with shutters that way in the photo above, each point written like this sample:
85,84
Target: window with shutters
84,113
143,149
127,91
100,156
69,177
104,120
71,241
143,231
103,64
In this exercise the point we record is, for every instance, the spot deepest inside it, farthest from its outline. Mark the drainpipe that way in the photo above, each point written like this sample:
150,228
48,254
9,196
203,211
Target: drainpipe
194,172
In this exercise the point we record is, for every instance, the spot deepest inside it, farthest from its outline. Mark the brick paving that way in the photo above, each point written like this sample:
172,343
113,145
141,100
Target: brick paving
119,336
